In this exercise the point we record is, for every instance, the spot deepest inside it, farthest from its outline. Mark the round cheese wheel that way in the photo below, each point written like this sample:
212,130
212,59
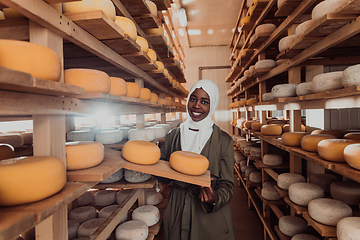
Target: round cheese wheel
37,60
109,136
82,214
325,7
127,26
154,31
310,142
188,162
246,74
153,197
302,27
152,55
350,76
267,97
255,177
141,152
81,155
30,179
73,226
253,38
286,42
291,225
252,69
90,5
255,152
304,88
348,228
304,236
352,136
93,81
244,20
152,6
122,195
281,61
108,210
286,179
85,199
293,138
323,180
333,149
327,82
81,135
328,211
265,28
336,133
145,134
160,66
249,170
154,98
118,86
346,191
6,151
148,214
265,64
28,138
135,176
145,94
133,90
271,130
256,126
302,193
144,45
86,229
9,13
104,198
251,101
270,193
248,124
134,230
160,132
272,159
115,177
351,155
284,90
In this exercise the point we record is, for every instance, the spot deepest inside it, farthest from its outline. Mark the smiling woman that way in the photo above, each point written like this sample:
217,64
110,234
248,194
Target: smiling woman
199,105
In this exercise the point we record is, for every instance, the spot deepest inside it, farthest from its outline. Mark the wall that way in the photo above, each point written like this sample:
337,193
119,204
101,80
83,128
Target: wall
207,57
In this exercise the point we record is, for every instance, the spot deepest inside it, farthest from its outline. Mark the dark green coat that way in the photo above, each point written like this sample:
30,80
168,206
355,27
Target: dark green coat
186,217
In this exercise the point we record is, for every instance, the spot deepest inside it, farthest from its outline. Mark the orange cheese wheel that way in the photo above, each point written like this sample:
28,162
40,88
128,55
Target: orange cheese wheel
160,66
141,152
81,155
248,124
11,13
145,94
90,5
351,155
133,90
256,126
30,179
39,61
188,162
127,25
162,101
293,138
6,151
118,86
310,142
271,129
154,97
93,81
352,136
152,55
333,149
144,45
336,133
251,101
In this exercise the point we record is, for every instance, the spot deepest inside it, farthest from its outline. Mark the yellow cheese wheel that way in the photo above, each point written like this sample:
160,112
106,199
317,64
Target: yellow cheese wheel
81,155
39,61
336,133
127,25
2,16
333,149
145,94
152,6
248,124
154,97
118,86
6,151
244,20
160,66
90,5
251,101
271,129
11,13
351,155
152,55
188,162
141,152
256,126
30,179
143,44
352,136
133,90
155,31
293,138
310,142
162,101
93,81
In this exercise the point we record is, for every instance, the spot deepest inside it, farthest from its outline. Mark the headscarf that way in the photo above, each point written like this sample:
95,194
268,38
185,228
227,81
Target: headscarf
194,141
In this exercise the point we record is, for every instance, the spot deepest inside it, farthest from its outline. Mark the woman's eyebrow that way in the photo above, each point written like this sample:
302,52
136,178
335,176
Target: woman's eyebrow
205,98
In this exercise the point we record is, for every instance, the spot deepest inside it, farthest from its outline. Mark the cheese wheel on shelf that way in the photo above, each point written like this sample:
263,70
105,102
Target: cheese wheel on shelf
6,151
272,159
265,64
335,133
37,60
327,82
127,26
30,179
271,129
251,101
310,142
9,13
350,76
86,229
108,210
152,55
73,226
109,136
145,94
351,155
255,152
133,90
244,20
152,6
280,3
325,7
104,198
82,214
146,134
256,126
149,214
153,197
265,28
324,180
134,230
154,98
302,27
160,66
291,225
302,193
284,90
188,162
346,191
286,179
248,124
333,149
304,88
352,136
122,195
249,170
252,69
115,177
90,5
348,228
81,155
267,97
143,43
81,135
270,193
118,86
135,176
141,152
286,42
255,177
85,199
93,81
293,138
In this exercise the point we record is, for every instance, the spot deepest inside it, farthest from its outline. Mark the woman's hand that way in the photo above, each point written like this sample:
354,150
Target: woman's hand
207,194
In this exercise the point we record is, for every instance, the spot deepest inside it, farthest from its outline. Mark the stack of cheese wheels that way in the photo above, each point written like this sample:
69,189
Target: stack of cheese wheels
82,214
304,236
272,159
109,136
81,155
104,198
146,134
127,26
352,136
286,179
39,61
293,138
325,7
149,214
134,229
13,139
270,193
336,133
145,94
152,55
141,152
143,43
81,135
115,177
133,90
73,226
188,162
135,176
302,27
327,82
152,6
265,64
271,129
267,97
85,199
350,76
118,86
27,179
351,155
86,229
255,152
286,42
284,90
153,197
291,225
310,142
346,191
333,149
304,88
302,193
93,81
6,151
90,5
324,180
328,211
249,170
348,228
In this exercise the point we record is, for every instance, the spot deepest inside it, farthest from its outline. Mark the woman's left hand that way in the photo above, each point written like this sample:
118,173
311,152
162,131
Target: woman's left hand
207,194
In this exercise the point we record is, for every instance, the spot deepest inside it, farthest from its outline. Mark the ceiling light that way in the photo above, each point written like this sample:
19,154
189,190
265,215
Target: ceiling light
193,32
210,31
182,17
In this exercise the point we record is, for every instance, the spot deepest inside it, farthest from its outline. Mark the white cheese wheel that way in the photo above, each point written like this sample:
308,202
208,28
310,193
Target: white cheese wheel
325,7
267,97
104,198
108,210
270,193
281,61
271,130
284,90
304,236
328,211
144,45
346,191
160,132
350,76
90,5
286,42
141,152
255,152
153,197
348,228
302,27
93,81
253,38
166,126
80,135
302,193
122,195
82,214
333,149
310,142
73,226
291,225
135,176
265,28
148,214
324,180
351,155
132,230
85,199
145,134
327,82
127,26
118,86
81,155
252,69
115,177
152,6
265,64
293,138
304,88
272,159
13,139
286,179
255,177
109,136
86,229
247,73
249,170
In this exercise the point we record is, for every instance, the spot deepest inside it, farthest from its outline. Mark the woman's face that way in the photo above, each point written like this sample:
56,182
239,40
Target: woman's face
199,105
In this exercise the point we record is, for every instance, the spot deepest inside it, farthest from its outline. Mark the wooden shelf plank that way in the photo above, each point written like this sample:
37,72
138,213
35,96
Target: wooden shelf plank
274,175
283,193
138,58
277,211
287,8
260,165
258,40
323,230
301,153
298,209
124,184
259,7
15,29
146,21
269,202
321,162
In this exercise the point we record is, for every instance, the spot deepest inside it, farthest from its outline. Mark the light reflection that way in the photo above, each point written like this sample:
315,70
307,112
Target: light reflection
184,2
181,32
210,31
193,32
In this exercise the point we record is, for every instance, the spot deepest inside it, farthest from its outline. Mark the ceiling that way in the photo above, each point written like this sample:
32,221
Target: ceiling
210,22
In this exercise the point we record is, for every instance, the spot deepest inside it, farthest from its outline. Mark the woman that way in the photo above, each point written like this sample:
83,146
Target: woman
194,212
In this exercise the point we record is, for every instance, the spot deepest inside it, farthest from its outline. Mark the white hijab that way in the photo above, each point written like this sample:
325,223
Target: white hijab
194,141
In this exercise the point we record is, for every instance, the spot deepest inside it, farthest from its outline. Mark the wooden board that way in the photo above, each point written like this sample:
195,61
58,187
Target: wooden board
323,230
346,170
124,45
269,202
147,66
138,58
146,21
282,193
259,7
287,8
259,39
298,209
124,184
16,29
321,162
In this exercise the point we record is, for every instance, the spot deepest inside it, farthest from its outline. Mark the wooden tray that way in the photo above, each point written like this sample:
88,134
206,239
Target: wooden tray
124,184
287,8
298,209
259,39
259,7
323,230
